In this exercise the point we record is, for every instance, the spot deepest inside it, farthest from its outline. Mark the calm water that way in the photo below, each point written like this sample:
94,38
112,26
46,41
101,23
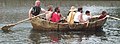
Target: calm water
12,11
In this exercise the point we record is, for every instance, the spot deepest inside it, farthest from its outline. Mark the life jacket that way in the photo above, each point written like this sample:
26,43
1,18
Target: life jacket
36,10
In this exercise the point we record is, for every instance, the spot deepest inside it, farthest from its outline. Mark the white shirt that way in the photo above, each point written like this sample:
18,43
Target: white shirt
86,17
76,17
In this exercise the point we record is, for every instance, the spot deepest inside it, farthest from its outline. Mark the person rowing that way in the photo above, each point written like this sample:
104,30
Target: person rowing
36,10
70,17
71,14
103,14
78,16
56,15
86,18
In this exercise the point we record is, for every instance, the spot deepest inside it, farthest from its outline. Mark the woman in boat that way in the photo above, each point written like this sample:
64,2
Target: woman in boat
55,17
71,14
34,11
103,14
78,16
49,13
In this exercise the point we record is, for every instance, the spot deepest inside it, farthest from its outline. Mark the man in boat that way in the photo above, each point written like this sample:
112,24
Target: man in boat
86,18
103,14
78,16
36,9
49,13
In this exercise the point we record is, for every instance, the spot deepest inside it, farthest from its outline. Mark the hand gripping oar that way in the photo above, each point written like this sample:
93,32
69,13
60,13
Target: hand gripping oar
6,27
113,17
108,16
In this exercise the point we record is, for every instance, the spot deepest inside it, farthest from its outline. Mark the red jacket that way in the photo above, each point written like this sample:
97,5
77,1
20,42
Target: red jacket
55,17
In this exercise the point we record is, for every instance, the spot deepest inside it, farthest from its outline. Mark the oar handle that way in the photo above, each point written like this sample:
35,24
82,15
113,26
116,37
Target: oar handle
113,17
22,21
28,19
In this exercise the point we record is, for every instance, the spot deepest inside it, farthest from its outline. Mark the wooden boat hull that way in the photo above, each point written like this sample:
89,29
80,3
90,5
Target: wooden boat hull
41,24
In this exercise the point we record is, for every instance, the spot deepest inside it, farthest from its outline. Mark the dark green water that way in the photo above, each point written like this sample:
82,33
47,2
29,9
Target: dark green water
12,11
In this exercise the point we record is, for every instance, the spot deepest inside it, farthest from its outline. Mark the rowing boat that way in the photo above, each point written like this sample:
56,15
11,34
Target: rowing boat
39,23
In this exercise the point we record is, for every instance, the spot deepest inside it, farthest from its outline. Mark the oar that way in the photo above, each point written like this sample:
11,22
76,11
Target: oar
6,27
113,17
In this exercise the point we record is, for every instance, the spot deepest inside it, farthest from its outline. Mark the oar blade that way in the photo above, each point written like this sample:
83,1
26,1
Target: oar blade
7,27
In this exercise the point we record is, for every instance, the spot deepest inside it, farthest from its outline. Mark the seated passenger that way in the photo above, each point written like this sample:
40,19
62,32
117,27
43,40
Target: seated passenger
55,17
49,13
86,18
62,18
78,16
71,14
103,14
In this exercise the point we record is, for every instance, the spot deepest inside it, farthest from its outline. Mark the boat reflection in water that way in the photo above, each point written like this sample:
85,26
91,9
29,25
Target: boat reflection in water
64,37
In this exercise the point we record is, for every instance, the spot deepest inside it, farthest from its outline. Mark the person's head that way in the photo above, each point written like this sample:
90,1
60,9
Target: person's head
87,12
80,10
50,8
37,3
57,9
104,13
72,8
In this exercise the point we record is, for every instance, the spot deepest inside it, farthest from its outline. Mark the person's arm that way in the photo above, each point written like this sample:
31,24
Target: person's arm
62,16
81,18
43,10
91,16
30,15
87,23
68,13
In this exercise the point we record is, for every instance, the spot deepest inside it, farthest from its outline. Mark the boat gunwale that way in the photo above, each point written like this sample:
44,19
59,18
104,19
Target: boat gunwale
96,16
